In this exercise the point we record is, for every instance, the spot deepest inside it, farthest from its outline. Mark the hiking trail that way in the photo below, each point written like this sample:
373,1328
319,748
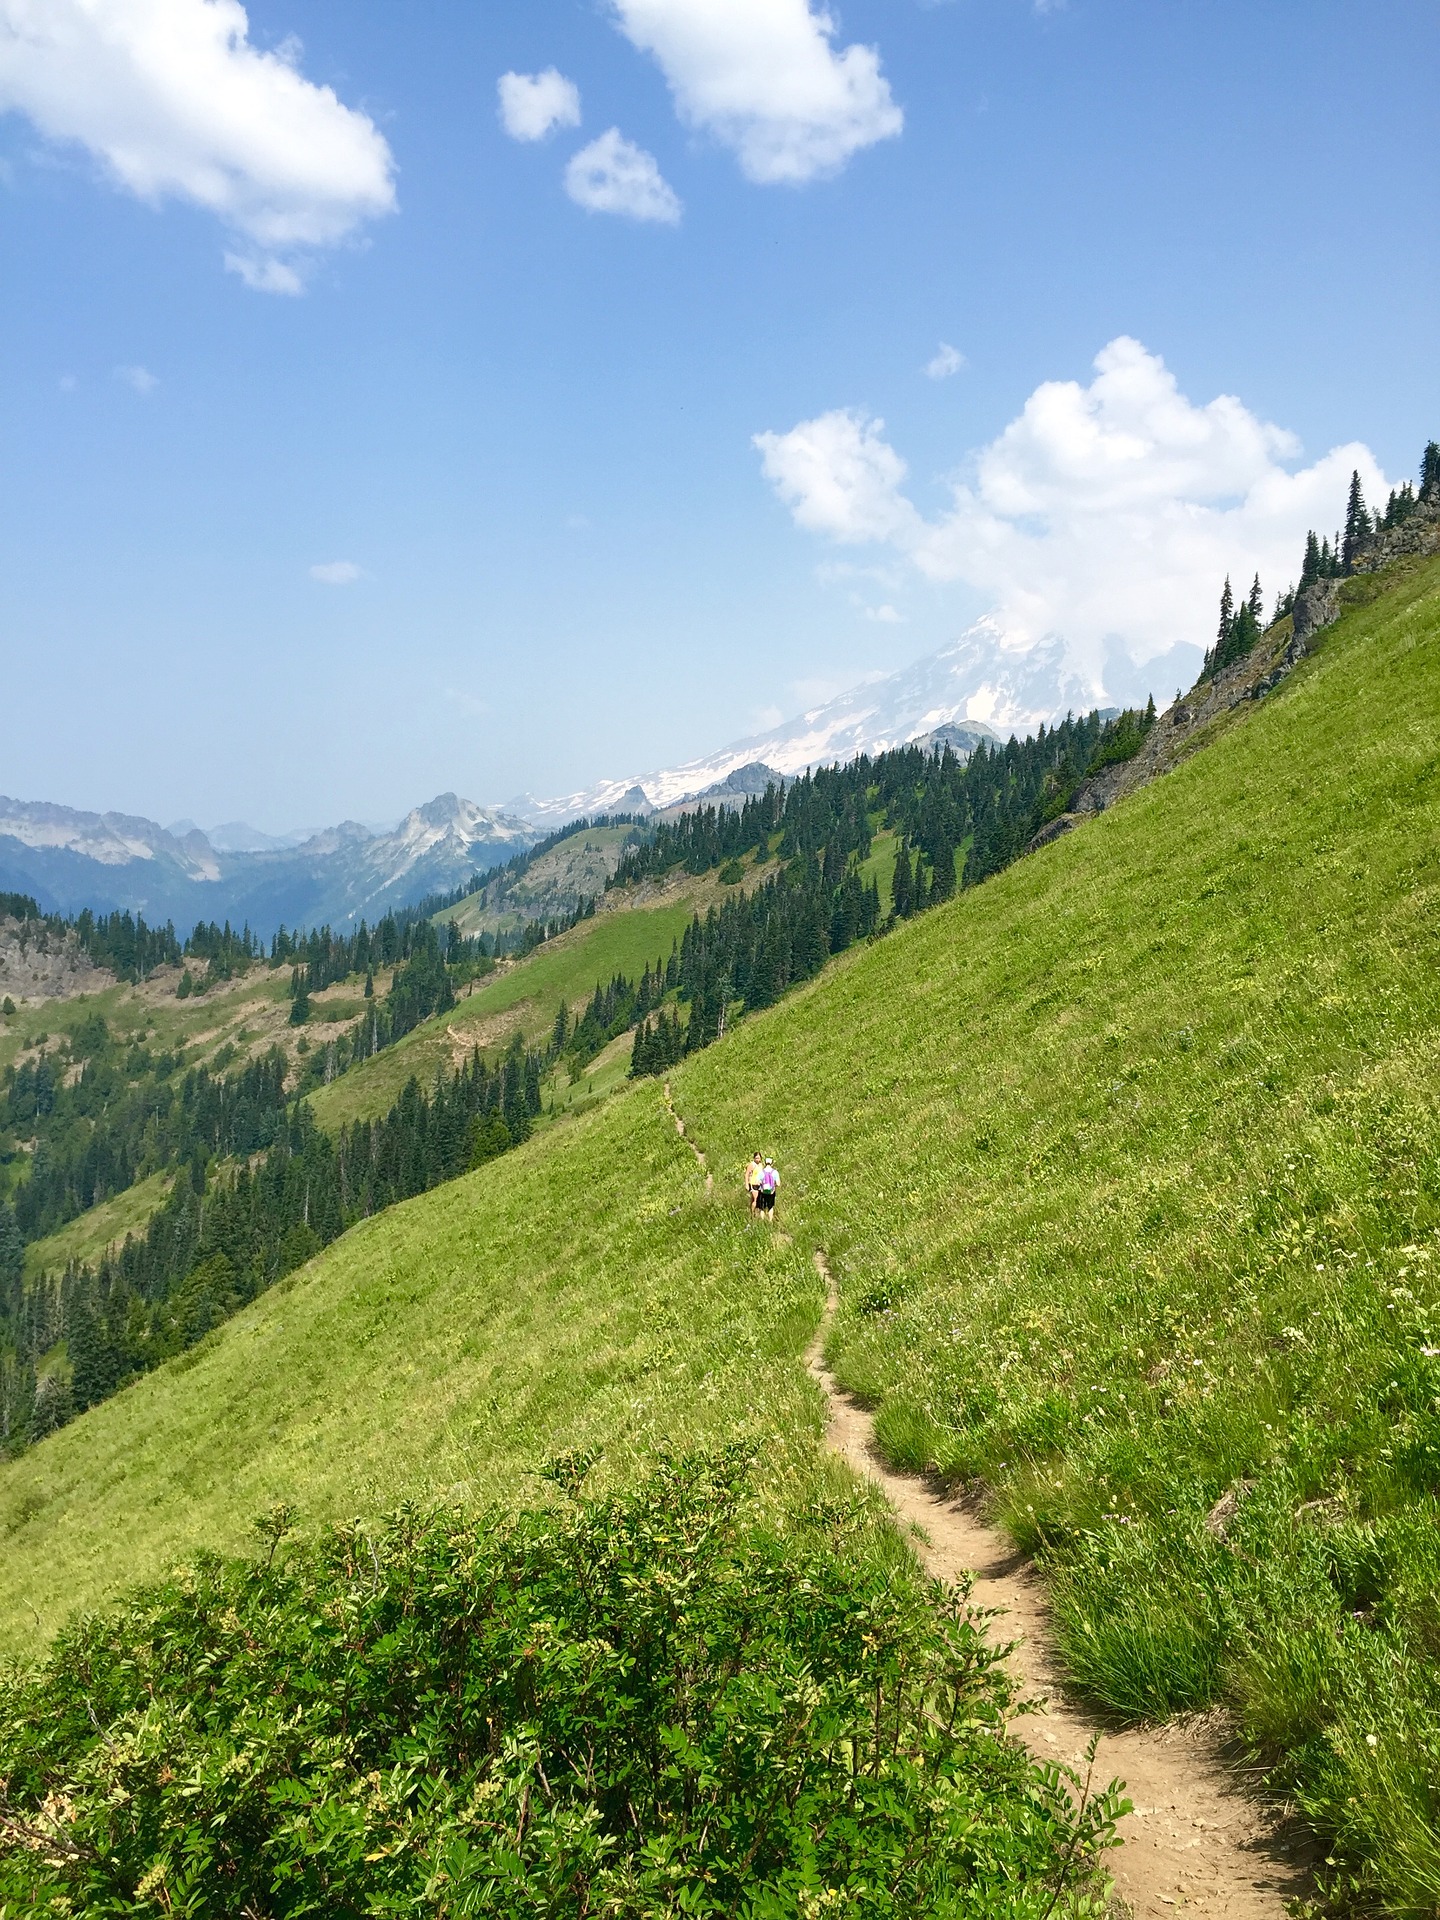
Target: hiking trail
1195,1842
680,1129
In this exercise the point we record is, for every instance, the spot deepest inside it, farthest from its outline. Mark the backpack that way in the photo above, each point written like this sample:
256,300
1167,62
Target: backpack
769,1180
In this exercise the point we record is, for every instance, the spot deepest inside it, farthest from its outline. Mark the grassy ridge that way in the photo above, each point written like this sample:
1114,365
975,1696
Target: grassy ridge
86,1238
1130,1162
580,1292
521,999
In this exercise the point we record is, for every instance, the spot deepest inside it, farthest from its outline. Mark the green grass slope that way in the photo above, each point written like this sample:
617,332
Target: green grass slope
1129,1164
581,1292
520,999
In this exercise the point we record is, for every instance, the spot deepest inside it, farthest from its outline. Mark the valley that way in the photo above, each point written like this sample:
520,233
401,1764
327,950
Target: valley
1124,1164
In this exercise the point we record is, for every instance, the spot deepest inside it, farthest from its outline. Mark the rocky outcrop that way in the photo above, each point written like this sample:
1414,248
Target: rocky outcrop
1281,649
1419,535
37,964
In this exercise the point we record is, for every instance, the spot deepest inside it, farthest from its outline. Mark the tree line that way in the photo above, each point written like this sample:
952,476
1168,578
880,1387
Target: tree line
230,1228
1242,625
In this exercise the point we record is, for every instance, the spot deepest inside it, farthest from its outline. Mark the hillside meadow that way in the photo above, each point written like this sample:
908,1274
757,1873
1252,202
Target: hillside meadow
1129,1165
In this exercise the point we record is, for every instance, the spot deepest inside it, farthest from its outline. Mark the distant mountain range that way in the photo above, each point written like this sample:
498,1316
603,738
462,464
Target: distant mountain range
970,690
973,686
69,860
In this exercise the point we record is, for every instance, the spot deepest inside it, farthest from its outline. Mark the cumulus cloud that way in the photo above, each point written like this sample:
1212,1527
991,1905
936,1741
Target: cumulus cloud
534,104
1105,514
337,573
139,380
766,79
948,360
613,175
175,103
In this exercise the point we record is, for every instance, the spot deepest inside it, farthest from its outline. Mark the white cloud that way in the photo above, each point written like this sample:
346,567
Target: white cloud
612,175
838,476
1106,514
337,573
765,78
139,380
264,273
887,615
68,383
947,361
176,104
534,104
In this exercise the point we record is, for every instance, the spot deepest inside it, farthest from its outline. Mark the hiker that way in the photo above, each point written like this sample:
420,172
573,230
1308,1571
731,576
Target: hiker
752,1180
769,1187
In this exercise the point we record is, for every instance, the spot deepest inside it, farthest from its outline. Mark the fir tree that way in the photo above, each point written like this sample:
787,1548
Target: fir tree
1430,471
1358,526
1227,619
942,885
1310,570
900,890
1256,604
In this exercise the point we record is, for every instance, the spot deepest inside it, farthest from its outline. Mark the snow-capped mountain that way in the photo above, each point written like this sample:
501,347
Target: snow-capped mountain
108,839
975,681
70,860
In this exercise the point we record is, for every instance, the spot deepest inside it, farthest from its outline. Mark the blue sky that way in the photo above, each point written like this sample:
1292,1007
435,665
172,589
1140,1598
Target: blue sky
528,428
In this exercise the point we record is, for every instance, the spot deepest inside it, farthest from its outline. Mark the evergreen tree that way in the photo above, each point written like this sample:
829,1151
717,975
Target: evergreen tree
1430,472
1256,604
1310,570
1358,526
901,890
1227,619
12,1258
942,884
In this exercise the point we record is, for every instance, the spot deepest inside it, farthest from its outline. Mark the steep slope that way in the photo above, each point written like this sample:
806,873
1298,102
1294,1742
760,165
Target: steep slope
1128,1163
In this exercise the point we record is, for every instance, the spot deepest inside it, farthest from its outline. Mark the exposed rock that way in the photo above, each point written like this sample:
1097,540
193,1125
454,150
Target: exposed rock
1220,1516
1052,830
36,964
1419,534
1316,607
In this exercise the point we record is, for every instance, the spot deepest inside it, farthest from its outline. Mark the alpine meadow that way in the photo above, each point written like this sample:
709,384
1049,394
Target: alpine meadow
1127,1163
813,1291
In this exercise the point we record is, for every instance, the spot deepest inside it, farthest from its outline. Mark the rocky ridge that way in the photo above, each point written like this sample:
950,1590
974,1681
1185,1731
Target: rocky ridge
1186,725
36,964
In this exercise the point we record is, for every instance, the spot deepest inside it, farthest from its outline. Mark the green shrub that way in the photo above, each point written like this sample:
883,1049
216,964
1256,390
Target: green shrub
643,1706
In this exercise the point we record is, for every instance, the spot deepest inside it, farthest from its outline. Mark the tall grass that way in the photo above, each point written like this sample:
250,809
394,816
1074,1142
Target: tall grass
1130,1163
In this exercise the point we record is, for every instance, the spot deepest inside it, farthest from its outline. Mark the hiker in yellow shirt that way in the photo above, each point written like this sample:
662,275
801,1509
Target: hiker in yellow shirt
753,1173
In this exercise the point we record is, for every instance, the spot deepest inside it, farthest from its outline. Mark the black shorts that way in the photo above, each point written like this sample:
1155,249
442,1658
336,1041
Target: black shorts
765,1201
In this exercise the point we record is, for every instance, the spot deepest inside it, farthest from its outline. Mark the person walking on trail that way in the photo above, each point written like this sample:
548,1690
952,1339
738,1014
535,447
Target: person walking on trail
769,1187
753,1171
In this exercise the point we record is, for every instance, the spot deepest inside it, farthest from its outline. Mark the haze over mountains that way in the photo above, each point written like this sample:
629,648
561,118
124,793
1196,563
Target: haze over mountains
969,690
70,860
971,683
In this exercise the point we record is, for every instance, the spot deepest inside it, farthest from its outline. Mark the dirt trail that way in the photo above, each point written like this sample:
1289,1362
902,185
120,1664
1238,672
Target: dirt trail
1195,1841
680,1129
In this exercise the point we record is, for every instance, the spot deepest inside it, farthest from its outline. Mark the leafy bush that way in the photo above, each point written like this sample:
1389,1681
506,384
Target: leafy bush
639,1706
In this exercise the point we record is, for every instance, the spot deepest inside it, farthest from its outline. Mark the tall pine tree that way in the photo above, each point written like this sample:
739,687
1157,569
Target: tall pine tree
1358,526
